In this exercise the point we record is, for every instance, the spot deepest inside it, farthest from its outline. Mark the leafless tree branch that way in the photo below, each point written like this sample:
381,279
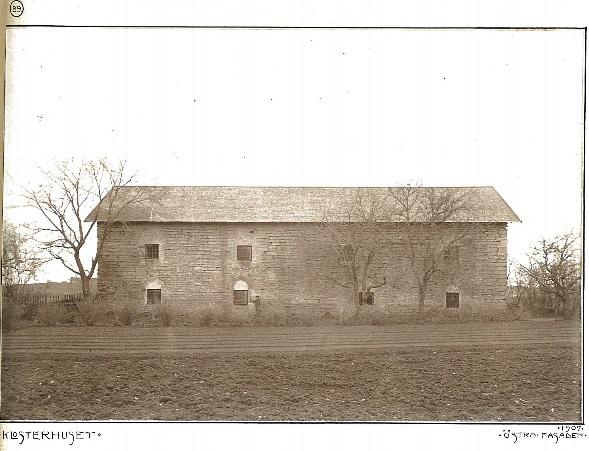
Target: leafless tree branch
432,221
71,189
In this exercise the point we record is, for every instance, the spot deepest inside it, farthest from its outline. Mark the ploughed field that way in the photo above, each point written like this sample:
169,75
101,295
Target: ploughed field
475,372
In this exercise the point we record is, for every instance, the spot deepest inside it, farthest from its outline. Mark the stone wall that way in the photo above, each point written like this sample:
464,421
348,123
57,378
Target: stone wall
291,268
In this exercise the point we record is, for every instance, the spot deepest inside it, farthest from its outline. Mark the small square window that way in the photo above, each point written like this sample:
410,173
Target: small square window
244,253
366,298
240,297
152,251
452,300
154,296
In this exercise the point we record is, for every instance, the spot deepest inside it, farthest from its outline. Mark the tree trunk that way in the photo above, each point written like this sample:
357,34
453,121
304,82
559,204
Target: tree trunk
571,308
564,304
558,305
85,286
421,302
354,305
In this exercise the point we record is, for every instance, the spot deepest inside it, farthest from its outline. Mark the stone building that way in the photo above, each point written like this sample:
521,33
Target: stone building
247,248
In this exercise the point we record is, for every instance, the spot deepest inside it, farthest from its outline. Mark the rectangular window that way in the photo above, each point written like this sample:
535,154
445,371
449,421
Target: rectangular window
154,296
366,298
452,300
152,251
244,253
240,297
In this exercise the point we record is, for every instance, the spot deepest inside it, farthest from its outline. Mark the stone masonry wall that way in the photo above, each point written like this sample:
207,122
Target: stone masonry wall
290,264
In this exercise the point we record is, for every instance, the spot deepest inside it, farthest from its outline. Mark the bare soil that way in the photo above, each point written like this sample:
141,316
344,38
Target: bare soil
505,382
109,340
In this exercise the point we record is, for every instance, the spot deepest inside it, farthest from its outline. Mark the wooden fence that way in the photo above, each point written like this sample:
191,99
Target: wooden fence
36,298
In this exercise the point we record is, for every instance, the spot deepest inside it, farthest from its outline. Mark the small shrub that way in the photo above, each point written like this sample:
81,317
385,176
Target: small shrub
517,313
436,314
127,313
145,318
221,316
90,312
239,317
165,315
299,316
347,317
377,318
369,316
303,318
29,312
110,317
204,317
51,314
9,316
270,318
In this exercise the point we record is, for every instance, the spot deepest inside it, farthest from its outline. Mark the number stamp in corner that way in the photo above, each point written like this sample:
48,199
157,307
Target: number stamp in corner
16,8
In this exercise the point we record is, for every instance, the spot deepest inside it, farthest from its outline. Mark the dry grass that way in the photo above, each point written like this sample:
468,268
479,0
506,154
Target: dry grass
51,314
540,383
165,315
101,312
127,313
10,316
91,312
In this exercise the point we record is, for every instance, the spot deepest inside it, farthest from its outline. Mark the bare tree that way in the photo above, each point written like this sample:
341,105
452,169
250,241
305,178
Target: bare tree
516,283
355,236
21,259
554,267
433,223
71,190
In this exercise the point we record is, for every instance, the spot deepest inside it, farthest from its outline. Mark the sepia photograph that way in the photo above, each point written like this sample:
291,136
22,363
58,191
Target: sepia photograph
279,224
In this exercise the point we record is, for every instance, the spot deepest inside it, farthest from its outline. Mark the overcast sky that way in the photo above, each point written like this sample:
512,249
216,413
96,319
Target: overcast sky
307,107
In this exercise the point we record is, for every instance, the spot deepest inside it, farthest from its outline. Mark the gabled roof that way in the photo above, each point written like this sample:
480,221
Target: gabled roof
216,204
